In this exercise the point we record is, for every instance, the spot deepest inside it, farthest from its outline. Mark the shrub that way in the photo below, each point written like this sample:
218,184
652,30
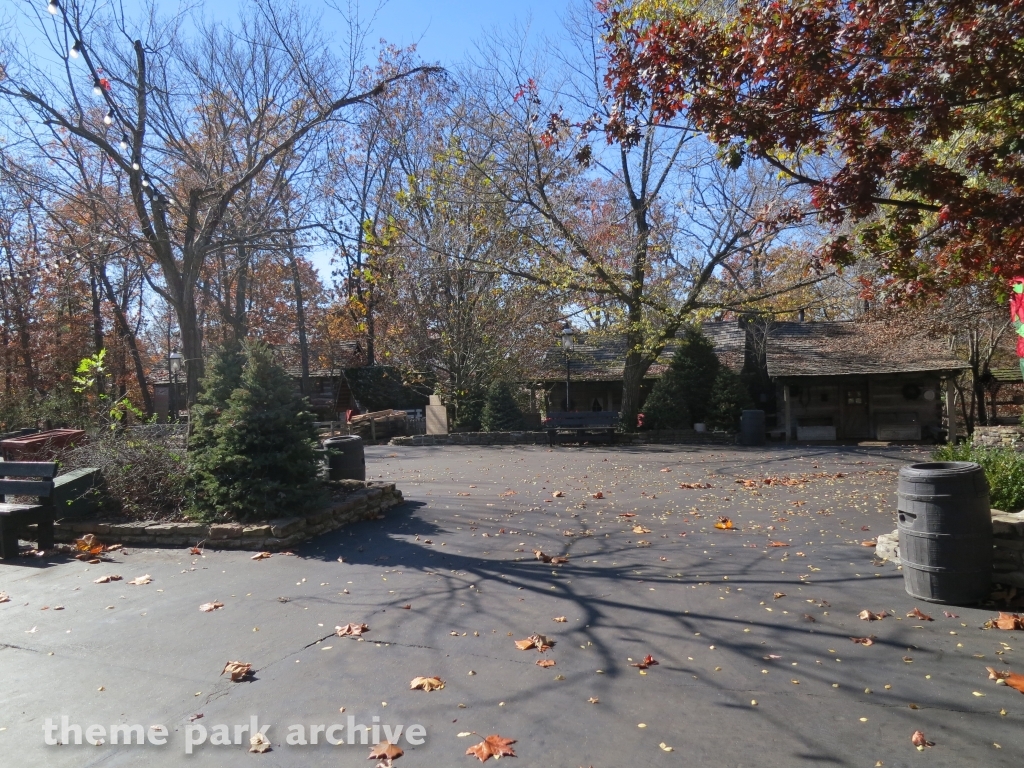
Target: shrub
1004,469
696,366
223,376
144,471
259,462
729,399
665,407
501,411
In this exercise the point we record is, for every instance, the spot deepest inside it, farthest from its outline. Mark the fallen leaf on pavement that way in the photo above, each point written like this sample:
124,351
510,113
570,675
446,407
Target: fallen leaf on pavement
4,597
867,615
537,641
597,495
1006,621
493,746
777,595
561,619
724,523
207,607
777,544
1011,679
919,741
648,661
138,581
427,684
351,629
259,744
593,700
864,640
237,669
694,486
197,549
869,543
107,579
949,615
261,556
917,614
627,514
545,662
640,529
557,494
386,750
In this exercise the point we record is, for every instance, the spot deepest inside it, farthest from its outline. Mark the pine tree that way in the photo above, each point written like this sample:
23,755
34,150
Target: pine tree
223,375
696,366
730,397
260,463
665,407
501,411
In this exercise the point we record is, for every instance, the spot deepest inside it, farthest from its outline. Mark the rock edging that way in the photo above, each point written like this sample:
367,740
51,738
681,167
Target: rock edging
367,501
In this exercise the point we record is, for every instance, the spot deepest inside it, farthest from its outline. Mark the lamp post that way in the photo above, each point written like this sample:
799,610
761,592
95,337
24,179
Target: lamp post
173,366
567,347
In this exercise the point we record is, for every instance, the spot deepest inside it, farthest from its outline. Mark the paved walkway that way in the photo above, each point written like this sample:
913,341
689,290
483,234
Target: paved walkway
730,619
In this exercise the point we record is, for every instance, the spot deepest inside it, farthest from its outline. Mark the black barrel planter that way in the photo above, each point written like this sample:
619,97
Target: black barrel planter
945,532
345,458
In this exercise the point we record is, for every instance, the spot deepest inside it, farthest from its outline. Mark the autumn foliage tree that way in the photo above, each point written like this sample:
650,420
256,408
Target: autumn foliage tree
902,119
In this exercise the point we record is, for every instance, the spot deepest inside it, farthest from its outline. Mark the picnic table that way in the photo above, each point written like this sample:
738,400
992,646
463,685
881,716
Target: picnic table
34,478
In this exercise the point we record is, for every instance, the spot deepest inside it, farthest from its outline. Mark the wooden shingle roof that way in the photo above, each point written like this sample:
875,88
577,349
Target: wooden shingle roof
599,357
853,348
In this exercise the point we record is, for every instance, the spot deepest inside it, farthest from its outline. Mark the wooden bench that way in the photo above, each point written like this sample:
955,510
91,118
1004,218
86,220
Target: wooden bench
581,426
14,517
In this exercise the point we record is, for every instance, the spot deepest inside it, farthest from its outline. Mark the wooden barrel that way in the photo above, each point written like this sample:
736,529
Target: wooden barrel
945,531
345,458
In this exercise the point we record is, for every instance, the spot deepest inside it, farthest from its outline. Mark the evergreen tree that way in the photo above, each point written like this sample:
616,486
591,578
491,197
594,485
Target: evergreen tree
260,463
501,411
223,375
730,397
696,366
665,407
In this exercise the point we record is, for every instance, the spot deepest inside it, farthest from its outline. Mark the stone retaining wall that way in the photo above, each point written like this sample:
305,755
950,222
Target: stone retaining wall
1007,555
367,501
1000,437
677,436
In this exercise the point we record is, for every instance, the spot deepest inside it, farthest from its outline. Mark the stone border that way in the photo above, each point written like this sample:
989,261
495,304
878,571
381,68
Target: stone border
1007,548
367,501
670,436
999,437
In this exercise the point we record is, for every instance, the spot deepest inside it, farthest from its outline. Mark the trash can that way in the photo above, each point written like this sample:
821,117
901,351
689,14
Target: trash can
752,428
345,458
945,531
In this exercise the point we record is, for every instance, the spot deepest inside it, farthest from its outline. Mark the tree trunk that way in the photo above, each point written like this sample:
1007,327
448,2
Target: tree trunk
300,322
129,337
979,400
632,378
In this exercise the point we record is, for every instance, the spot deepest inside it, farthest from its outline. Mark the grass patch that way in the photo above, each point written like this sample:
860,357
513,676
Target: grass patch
1004,469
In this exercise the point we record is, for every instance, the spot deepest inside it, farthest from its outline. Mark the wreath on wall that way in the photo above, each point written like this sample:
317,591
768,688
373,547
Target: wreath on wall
911,391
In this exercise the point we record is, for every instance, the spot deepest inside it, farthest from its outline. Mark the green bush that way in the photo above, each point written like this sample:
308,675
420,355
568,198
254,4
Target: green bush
1004,469
729,399
259,461
501,411
665,407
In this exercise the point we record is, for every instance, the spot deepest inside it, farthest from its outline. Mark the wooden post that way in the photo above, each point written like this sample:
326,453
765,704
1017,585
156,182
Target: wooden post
786,399
373,430
951,409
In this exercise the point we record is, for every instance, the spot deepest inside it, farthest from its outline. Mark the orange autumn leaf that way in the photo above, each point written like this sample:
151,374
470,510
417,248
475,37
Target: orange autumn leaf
237,669
537,641
724,523
777,544
867,615
864,640
1006,621
919,741
545,662
355,630
648,661
917,614
427,684
493,746
386,751
693,486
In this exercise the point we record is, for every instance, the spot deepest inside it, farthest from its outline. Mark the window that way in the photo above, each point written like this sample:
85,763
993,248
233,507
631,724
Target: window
854,397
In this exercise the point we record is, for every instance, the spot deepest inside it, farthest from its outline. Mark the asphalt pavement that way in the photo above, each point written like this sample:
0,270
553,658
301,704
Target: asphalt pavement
750,626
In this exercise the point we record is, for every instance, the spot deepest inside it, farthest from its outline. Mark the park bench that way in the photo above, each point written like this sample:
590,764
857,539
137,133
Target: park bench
14,517
581,426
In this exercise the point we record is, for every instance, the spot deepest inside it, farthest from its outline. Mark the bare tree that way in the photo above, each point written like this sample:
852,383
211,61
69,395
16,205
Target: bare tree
192,124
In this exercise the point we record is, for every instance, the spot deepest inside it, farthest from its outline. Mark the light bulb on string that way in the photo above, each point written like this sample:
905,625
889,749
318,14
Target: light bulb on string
135,166
97,89
145,181
53,7
124,141
109,117
75,49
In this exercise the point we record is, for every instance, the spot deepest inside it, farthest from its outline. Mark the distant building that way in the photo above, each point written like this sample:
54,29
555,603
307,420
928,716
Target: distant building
845,380
328,389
